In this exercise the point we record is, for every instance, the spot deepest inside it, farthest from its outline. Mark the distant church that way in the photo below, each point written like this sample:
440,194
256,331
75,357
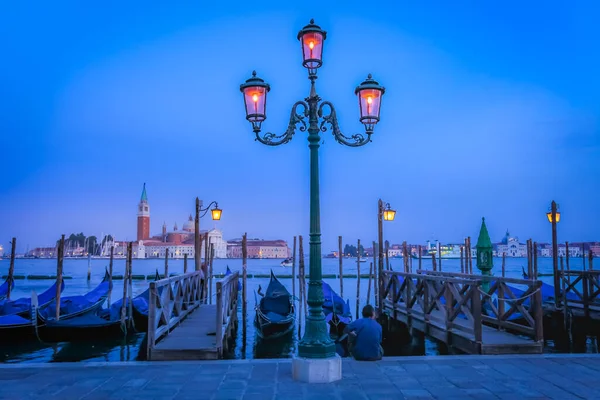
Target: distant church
177,242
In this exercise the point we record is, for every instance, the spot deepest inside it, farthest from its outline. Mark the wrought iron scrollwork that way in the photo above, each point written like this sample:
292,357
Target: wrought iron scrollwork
271,139
355,140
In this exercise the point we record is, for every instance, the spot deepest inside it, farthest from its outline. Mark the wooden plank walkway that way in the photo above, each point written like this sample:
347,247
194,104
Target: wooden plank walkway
193,339
182,326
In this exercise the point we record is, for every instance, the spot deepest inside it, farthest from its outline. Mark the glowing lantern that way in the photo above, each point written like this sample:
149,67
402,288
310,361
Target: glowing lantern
369,100
311,39
388,213
216,212
255,99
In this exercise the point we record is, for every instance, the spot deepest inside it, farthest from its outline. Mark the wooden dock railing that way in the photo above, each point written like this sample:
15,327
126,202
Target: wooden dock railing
581,290
227,296
442,302
170,301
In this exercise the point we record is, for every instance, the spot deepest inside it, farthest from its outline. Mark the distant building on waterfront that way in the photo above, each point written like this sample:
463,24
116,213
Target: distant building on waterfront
42,252
259,248
511,247
177,242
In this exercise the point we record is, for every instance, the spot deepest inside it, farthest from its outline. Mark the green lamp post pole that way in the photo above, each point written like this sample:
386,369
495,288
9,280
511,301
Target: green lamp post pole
484,254
554,218
316,342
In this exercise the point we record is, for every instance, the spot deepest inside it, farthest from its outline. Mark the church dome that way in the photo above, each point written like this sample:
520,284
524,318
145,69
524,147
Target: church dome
189,225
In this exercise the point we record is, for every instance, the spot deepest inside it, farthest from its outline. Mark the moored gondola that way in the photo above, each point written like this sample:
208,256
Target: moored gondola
88,327
275,311
14,328
140,307
22,306
338,316
75,306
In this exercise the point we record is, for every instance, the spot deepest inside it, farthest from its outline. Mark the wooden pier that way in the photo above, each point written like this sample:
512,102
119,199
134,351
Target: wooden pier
459,310
181,323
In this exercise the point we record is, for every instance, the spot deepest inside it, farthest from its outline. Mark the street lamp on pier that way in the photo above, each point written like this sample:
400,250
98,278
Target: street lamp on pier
554,217
383,214
216,213
314,116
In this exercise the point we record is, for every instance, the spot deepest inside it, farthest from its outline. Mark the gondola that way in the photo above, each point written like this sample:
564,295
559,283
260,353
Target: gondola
338,316
275,312
4,287
22,306
75,306
14,328
86,327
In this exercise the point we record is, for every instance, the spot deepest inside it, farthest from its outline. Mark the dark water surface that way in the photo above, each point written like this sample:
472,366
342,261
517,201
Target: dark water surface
129,350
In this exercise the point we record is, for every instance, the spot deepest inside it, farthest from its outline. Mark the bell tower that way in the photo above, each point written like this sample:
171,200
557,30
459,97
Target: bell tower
143,217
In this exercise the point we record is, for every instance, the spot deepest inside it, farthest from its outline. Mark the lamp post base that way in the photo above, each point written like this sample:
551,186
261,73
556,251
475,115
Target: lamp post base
317,370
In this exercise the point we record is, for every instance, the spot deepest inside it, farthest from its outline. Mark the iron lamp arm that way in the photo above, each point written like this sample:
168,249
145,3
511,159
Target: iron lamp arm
355,140
271,139
205,210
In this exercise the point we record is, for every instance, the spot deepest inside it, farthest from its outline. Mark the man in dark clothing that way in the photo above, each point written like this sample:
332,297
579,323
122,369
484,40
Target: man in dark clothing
365,336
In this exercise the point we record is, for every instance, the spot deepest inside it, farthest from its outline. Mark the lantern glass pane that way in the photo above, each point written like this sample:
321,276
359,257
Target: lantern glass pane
216,214
255,98
312,49
369,101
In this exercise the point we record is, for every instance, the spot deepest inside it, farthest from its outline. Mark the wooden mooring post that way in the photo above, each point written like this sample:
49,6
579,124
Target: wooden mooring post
11,268
129,282
420,250
210,270
357,279
301,286
110,275
245,290
59,273
294,269
439,254
433,263
197,248
535,264
470,256
340,256
462,264
369,284
503,264
387,256
185,267
405,256
166,275
125,278
374,273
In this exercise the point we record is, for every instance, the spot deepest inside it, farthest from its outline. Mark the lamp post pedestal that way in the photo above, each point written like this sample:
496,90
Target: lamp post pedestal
317,370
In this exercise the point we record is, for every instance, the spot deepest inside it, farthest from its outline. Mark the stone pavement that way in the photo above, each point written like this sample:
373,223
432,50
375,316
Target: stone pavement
441,377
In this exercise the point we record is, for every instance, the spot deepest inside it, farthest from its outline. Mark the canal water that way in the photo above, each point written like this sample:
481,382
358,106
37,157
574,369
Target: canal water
129,350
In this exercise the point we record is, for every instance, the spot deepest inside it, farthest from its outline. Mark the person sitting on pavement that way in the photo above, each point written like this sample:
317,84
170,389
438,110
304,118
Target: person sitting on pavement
365,336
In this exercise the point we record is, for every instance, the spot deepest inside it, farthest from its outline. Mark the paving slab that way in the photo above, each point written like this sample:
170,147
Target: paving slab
441,377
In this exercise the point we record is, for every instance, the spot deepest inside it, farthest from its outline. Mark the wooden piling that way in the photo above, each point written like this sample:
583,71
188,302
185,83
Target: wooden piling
567,257
125,277
129,282
433,263
387,256
210,270
166,262
185,263
470,256
462,266
207,280
294,269
59,271
245,291
197,248
340,255
110,274
591,260
564,294
535,265
375,277
583,255
503,264
11,268
89,271
439,254
405,256
301,288
528,258
420,250
357,279
303,275
369,284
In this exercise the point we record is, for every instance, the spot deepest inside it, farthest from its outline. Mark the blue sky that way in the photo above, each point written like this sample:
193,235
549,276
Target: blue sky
491,110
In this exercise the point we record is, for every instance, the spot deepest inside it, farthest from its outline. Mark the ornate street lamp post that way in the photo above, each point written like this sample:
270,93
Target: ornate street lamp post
316,342
554,217
216,216
383,214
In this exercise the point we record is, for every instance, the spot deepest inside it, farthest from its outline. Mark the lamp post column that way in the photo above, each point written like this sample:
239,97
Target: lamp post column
316,342
555,257
380,259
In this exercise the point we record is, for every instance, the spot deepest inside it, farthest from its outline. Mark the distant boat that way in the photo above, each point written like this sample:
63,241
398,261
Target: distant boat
362,259
288,262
